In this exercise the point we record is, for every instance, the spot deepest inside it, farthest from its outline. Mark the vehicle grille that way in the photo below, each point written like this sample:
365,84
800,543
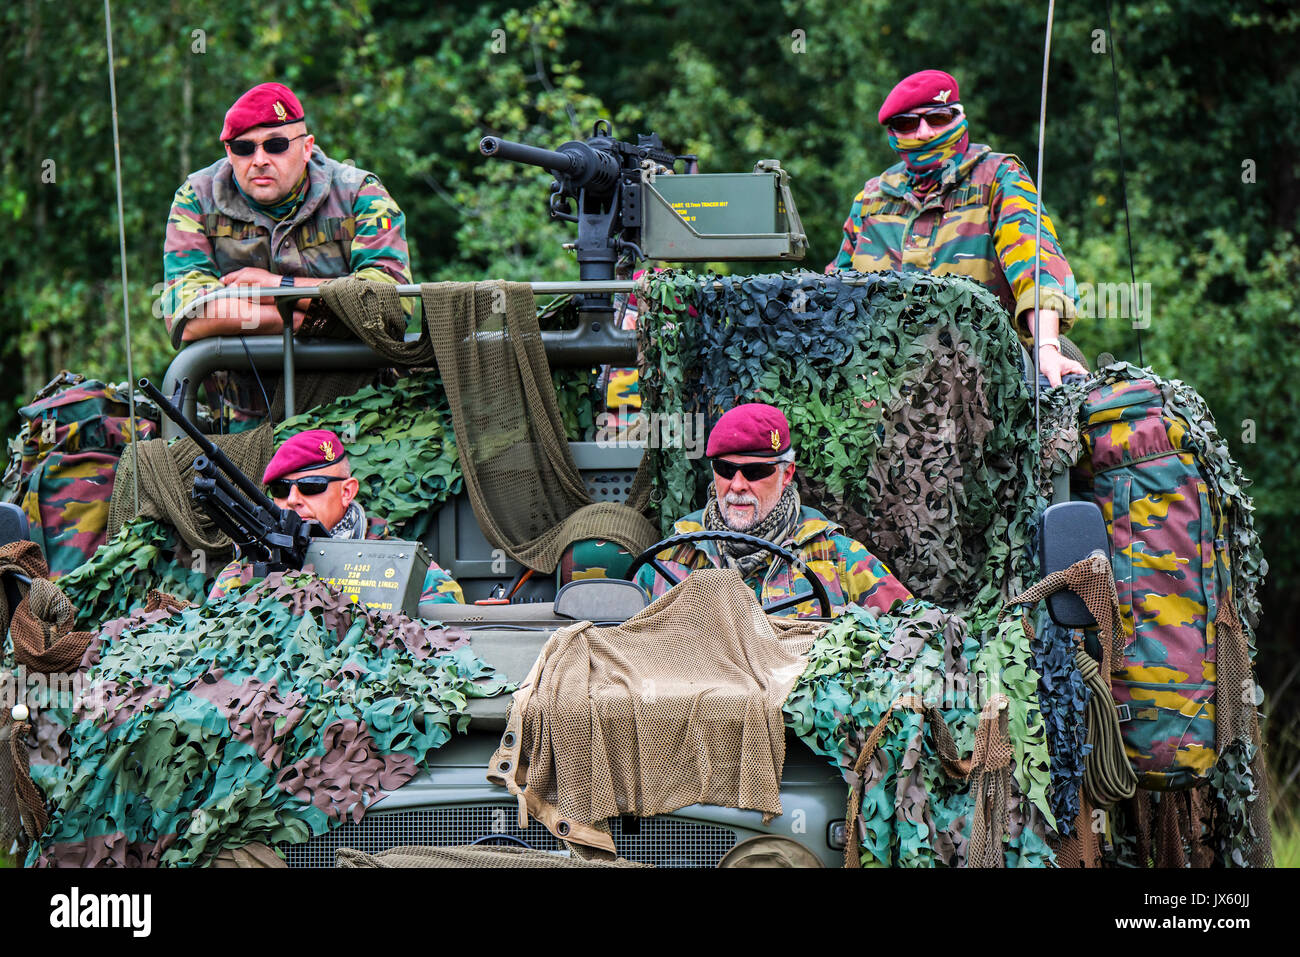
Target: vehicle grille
663,841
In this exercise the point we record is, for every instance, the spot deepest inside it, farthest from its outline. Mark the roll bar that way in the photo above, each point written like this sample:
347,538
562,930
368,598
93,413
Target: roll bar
592,343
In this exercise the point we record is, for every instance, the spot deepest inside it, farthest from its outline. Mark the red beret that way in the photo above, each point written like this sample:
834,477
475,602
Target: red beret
919,89
267,104
750,429
313,449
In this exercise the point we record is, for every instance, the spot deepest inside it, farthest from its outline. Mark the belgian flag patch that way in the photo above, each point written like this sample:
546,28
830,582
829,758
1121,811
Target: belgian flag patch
385,222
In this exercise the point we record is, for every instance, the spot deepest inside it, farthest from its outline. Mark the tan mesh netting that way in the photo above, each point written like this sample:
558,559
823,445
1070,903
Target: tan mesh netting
679,705
472,855
167,478
40,629
523,484
41,625
988,768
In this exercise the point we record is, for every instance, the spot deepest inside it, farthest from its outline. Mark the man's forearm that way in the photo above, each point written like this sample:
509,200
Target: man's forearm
1049,324
234,317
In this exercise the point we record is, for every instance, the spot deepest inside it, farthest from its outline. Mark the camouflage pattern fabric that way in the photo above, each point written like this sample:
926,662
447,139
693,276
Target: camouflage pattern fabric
593,558
1235,783
144,555
979,223
851,574
1162,530
270,716
72,439
910,418
912,813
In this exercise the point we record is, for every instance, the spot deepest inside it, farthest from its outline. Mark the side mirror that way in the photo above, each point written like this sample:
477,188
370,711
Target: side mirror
13,528
1068,533
13,524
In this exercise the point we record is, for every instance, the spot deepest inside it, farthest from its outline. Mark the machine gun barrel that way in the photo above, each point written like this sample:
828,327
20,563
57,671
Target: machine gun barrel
578,165
523,153
210,451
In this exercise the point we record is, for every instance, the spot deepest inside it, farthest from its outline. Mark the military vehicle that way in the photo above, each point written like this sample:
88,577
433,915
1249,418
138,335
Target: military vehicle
632,204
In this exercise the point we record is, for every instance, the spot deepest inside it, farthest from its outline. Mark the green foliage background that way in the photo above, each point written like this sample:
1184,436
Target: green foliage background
1207,87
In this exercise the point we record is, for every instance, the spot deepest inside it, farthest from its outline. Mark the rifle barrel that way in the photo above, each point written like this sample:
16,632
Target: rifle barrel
523,153
218,457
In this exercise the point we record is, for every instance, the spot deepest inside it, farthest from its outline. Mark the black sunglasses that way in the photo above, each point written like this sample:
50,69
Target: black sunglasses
276,144
310,485
753,471
910,122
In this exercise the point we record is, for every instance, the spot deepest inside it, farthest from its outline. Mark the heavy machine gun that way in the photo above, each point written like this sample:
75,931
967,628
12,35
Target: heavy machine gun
271,538
384,575
633,205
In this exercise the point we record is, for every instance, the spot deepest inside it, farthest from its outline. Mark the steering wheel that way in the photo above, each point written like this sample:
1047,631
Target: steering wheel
648,557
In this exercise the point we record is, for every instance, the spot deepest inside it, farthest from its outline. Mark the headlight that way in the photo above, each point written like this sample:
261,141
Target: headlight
768,850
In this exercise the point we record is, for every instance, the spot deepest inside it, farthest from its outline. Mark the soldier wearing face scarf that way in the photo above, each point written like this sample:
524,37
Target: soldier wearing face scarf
952,207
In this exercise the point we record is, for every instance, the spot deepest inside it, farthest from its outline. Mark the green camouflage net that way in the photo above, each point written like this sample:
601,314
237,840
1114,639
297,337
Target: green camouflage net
908,411
145,554
913,814
400,445
269,716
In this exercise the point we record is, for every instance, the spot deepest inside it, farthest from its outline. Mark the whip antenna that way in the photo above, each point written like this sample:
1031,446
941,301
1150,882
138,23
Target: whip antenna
1038,215
121,232
1123,186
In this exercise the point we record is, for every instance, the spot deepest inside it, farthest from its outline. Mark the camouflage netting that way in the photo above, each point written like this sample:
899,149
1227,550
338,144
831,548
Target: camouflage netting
907,408
269,716
913,428
914,813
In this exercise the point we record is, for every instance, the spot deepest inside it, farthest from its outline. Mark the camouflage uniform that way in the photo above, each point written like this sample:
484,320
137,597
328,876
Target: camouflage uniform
439,587
978,223
851,574
345,224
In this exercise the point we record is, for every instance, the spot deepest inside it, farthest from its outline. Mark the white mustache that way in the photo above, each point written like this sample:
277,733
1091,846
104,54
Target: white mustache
738,498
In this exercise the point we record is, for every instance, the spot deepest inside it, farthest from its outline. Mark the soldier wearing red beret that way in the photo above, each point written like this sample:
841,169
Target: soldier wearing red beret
754,492
310,474
955,208
274,211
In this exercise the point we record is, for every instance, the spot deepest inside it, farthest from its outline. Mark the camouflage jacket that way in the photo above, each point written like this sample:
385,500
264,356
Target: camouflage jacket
346,224
979,223
851,574
439,587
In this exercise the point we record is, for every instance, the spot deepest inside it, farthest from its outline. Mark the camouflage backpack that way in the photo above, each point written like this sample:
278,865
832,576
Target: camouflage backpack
64,462
1168,517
